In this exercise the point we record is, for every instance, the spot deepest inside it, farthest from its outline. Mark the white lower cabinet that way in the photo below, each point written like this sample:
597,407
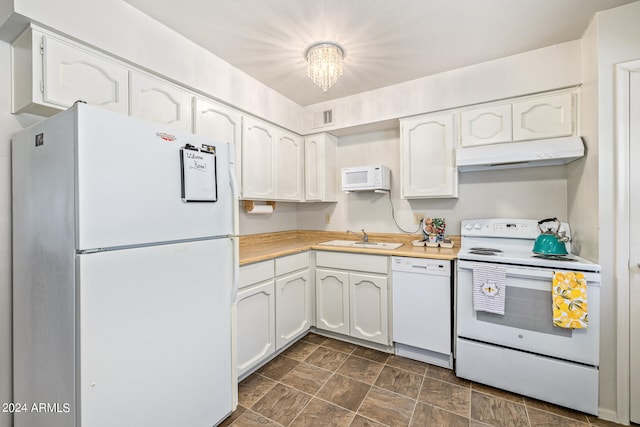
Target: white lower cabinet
274,308
293,307
353,298
332,301
368,307
255,325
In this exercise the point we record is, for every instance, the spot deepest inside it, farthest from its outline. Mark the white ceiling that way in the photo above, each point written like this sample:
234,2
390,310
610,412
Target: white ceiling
386,41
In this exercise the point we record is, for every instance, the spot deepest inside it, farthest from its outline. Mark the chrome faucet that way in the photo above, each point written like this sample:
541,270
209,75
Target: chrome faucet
365,236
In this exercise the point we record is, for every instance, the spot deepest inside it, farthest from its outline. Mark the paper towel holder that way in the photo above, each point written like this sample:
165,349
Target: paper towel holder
249,205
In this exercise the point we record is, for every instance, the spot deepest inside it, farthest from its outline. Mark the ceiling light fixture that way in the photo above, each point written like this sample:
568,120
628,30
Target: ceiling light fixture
324,63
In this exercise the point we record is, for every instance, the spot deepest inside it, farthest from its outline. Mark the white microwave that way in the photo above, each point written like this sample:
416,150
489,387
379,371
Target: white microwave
366,178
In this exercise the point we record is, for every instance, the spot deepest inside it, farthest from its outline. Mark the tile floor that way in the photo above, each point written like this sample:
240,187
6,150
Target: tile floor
325,382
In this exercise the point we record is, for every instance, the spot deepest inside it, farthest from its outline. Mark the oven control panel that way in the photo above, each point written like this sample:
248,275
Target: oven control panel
513,228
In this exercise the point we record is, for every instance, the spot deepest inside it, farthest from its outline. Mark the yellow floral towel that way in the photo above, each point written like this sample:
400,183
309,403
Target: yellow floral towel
570,300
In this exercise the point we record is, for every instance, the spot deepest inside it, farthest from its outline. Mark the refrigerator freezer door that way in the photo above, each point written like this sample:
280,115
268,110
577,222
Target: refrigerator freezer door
129,183
155,335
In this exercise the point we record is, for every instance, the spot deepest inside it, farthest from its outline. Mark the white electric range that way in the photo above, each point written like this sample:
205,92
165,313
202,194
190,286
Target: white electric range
521,350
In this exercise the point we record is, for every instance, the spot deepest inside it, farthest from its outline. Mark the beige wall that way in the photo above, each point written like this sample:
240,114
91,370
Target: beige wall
285,217
126,33
534,71
612,37
8,125
570,192
516,193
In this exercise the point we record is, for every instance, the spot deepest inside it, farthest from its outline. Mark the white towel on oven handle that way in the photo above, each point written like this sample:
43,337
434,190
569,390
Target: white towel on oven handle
489,288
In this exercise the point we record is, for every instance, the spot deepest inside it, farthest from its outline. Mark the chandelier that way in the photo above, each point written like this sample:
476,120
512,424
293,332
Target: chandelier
324,63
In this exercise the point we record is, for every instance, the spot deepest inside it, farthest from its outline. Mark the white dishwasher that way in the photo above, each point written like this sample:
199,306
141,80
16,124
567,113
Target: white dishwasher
422,309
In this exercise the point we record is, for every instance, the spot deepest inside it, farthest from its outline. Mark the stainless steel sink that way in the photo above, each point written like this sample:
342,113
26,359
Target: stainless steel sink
361,244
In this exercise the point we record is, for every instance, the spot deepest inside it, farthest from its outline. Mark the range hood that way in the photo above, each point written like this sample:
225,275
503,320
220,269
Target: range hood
523,154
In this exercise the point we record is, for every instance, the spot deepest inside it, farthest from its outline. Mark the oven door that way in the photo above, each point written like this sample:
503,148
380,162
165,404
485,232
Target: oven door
527,323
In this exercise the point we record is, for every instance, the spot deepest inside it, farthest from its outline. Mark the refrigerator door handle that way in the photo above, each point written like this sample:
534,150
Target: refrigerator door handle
236,269
235,239
234,189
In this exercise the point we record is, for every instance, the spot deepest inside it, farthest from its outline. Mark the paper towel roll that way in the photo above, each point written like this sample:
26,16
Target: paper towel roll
261,209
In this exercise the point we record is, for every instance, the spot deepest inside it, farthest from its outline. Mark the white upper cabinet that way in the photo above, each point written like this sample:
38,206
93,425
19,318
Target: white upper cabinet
221,124
487,125
51,74
548,116
258,159
272,162
320,169
540,117
289,167
428,157
159,101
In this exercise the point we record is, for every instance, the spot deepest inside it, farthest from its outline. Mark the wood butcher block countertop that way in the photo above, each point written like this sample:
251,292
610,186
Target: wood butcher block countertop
260,247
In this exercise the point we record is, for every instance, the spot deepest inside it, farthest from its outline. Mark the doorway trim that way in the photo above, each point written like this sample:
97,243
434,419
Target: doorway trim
622,261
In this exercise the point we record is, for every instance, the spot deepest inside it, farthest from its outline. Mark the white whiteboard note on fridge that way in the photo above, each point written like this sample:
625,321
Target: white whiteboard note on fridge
198,175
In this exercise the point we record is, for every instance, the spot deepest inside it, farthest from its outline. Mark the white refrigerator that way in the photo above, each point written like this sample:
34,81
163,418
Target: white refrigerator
124,261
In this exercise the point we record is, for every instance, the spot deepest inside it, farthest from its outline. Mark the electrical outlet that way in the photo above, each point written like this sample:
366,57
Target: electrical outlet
327,218
417,218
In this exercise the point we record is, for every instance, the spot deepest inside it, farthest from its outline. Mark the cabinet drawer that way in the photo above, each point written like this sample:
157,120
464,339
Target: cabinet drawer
348,261
290,263
255,273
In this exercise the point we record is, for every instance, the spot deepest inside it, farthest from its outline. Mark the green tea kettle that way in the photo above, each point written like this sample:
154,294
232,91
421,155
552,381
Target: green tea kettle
550,241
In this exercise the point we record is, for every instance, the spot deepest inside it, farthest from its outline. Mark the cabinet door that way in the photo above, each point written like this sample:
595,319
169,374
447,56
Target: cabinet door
258,160
544,117
332,301
487,125
255,325
289,167
158,101
428,157
71,74
222,124
368,302
320,168
293,307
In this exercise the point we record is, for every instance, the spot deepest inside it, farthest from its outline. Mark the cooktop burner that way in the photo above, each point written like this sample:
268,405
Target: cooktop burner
510,242
485,251
553,257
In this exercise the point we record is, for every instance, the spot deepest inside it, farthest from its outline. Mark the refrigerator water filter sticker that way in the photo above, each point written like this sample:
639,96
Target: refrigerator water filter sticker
198,175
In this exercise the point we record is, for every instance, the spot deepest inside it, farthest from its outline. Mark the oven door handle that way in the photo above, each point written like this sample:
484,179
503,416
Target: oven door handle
531,272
